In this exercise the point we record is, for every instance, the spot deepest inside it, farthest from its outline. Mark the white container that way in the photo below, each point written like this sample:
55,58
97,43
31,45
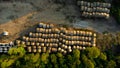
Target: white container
5,33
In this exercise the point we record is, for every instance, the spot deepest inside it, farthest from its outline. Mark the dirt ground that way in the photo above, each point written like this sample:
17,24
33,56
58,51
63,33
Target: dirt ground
100,26
18,18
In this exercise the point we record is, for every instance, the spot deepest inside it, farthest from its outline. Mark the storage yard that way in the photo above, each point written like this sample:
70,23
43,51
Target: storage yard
18,18
59,33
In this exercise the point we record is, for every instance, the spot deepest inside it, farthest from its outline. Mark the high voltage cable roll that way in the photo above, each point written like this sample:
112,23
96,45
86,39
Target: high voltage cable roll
48,38
95,9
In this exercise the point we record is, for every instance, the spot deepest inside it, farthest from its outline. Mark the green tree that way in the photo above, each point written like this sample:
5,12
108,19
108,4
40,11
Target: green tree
44,57
118,38
14,54
117,58
69,60
103,56
54,60
61,60
17,51
111,64
35,59
105,41
93,52
76,54
76,58
87,62
8,62
30,60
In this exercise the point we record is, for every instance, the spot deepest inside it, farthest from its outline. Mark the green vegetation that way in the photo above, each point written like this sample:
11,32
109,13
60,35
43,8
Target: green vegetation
115,10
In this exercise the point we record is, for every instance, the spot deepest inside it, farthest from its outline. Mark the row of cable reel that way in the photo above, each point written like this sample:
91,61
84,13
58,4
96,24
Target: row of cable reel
94,4
95,9
73,32
69,43
95,14
56,39
42,35
4,48
41,49
41,40
48,31
68,48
